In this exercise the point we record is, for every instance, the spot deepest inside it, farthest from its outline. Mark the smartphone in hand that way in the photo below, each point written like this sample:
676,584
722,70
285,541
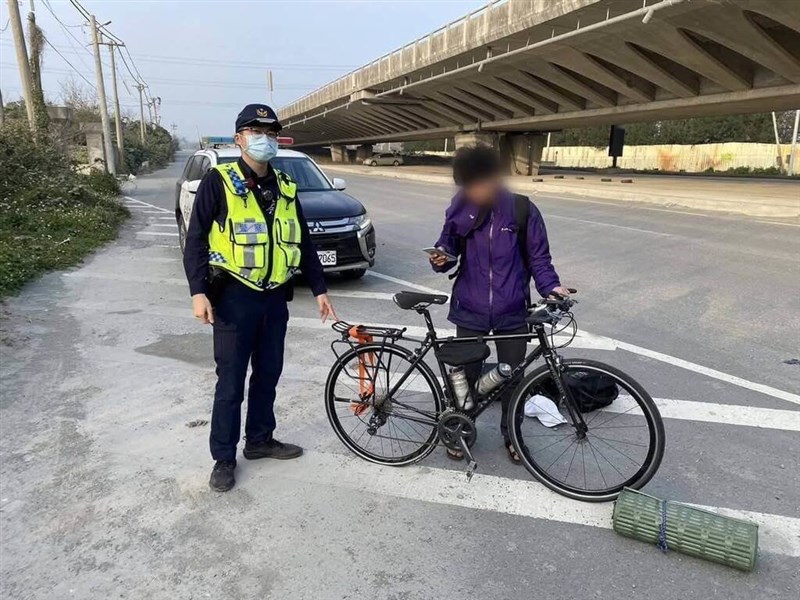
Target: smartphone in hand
439,252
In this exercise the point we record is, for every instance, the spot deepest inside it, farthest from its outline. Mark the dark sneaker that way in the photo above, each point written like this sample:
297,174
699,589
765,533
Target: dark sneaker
222,478
271,449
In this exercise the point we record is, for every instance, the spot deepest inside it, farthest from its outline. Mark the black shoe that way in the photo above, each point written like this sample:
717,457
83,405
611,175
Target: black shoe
222,478
271,449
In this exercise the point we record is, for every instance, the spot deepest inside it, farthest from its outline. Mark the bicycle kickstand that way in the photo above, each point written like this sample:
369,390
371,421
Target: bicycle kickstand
471,464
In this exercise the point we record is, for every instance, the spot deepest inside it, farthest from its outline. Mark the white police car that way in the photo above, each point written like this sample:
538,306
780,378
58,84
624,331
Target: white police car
340,227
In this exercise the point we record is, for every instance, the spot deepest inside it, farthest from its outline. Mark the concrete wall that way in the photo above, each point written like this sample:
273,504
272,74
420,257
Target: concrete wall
691,159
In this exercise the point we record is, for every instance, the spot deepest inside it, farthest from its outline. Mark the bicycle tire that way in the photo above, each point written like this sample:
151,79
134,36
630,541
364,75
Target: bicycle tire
655,450
426,446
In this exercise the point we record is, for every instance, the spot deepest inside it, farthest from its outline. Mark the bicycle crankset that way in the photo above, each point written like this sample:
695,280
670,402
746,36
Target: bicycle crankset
453,426
457,431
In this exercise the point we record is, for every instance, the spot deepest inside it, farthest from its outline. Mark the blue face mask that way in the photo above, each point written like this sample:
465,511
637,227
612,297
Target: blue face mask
261,148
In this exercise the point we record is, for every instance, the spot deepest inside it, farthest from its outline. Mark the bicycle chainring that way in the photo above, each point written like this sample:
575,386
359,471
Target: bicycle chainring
454,425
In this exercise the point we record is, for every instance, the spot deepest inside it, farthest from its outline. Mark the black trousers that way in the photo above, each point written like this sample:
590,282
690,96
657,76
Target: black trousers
249,328
508,351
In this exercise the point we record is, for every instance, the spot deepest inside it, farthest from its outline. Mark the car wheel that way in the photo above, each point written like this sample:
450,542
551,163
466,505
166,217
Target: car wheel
373,164
354,274
396,164
181,233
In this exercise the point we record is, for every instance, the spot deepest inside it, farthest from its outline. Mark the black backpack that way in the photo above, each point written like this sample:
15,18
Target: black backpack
590,390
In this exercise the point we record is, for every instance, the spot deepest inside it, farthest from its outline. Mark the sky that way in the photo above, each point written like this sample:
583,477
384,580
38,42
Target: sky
207,59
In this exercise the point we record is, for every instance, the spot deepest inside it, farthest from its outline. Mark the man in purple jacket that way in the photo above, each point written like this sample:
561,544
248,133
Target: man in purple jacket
492,287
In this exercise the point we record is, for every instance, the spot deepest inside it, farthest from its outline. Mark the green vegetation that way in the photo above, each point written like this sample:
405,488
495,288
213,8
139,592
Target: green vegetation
51,215
703,130
158,149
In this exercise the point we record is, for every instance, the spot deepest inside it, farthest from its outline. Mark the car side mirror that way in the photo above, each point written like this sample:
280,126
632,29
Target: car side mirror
339,183
192,186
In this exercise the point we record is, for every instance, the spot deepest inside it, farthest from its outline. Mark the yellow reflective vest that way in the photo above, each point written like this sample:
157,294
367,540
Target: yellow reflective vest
260,256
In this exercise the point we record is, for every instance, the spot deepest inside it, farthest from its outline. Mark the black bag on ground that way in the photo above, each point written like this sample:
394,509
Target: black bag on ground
590,390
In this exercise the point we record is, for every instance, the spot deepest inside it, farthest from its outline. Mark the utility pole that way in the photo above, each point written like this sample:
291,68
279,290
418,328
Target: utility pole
140,87
2,110
156,106
792,157
22,61
117,116
777,141
270,87
111,166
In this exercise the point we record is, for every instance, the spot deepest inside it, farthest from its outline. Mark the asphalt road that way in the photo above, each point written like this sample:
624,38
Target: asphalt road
107,383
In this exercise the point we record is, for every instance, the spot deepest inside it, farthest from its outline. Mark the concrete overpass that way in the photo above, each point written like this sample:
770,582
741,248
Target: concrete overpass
517,68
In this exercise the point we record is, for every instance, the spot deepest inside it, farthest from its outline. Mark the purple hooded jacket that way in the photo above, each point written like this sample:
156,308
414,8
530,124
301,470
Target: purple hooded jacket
490,291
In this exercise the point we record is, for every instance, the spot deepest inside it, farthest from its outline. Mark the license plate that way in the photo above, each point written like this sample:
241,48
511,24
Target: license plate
327,257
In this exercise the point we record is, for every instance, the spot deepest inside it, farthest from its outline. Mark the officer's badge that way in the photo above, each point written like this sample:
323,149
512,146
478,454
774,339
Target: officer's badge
261,112
249,227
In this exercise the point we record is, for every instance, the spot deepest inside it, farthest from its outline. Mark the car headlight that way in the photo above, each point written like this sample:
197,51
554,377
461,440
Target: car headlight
361,221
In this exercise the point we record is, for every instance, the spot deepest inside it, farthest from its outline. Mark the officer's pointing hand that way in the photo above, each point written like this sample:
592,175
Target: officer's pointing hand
326,308
201,308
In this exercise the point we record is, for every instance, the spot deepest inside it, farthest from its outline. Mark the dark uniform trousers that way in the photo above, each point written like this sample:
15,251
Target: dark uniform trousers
511,352
249,327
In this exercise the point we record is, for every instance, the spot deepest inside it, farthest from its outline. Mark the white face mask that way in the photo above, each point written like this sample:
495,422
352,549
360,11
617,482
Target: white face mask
261,148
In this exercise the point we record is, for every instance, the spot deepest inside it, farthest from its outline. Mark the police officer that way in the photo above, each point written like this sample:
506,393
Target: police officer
246,238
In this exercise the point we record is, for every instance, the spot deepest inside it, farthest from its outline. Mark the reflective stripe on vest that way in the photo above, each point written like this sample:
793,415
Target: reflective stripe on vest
245,246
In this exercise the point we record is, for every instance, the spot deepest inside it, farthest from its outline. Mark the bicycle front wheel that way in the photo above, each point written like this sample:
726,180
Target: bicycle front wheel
376,418
622,446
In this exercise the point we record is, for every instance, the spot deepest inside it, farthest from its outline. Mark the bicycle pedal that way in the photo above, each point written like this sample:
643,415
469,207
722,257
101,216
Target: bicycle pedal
471,466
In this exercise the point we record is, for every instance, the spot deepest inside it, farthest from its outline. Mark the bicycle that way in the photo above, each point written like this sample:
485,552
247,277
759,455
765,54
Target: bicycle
406,411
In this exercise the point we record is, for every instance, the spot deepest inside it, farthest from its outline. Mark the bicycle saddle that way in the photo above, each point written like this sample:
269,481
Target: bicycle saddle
409,300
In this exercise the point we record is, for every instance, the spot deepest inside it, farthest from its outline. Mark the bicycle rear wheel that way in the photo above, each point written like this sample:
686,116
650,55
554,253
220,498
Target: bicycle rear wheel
391,430
622,447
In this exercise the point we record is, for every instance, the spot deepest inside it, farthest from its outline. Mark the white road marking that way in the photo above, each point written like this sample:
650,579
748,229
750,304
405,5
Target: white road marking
405,283
708,372
152,212
584,340
778,534
147,204
681,410
164,233
551,216
726,414
170,225
685,410
659,356
580,341
356,294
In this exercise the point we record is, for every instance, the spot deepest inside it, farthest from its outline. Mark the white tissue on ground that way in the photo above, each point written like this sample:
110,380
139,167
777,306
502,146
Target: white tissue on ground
545,410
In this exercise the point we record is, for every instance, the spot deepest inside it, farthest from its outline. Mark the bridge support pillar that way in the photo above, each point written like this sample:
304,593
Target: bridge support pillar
339,153
363,152
473,138
523,153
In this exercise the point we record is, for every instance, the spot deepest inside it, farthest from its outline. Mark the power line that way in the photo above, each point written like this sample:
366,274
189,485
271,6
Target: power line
69,63
232,64
71,35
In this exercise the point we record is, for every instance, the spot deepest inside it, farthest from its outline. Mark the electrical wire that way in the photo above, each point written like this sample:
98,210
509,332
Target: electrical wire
69,63
66,29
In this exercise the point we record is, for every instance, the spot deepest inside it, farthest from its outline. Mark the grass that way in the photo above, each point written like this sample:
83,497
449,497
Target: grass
51,217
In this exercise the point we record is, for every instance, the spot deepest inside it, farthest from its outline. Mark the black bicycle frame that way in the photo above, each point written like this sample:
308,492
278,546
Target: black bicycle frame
432,341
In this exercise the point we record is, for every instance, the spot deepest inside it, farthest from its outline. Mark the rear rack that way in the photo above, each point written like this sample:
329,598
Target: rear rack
368,330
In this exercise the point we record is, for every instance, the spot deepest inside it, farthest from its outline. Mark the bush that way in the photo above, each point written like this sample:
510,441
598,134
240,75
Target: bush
51,216
158,148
